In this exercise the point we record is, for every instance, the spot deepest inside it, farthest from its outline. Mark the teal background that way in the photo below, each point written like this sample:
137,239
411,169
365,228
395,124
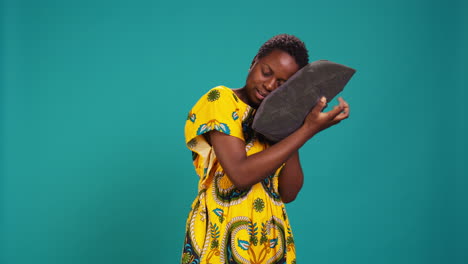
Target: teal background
94,96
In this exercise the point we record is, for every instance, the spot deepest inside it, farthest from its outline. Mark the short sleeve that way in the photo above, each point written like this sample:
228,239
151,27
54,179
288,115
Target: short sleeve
217,110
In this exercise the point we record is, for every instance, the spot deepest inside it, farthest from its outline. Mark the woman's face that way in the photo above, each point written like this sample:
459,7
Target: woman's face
267,74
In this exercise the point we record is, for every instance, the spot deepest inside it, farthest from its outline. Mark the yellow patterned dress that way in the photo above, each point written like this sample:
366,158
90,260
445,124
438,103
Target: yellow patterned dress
226,225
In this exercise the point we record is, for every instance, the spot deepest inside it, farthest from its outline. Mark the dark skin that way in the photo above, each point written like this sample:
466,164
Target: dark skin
265,75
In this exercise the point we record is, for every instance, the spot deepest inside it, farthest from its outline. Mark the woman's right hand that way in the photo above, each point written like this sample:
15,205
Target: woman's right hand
317,120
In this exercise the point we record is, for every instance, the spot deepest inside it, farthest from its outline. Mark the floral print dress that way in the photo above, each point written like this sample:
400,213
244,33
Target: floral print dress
227,225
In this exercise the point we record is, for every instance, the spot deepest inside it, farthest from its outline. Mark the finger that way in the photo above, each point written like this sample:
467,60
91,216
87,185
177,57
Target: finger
346,108
334,112
320,105
345,105
342,102
343,115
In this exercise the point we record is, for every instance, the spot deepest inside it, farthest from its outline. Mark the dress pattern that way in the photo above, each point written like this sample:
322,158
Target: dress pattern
227,225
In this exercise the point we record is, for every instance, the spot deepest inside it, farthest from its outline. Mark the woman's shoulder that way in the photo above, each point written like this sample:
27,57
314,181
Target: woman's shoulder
218,109
222,88
215,93
220,93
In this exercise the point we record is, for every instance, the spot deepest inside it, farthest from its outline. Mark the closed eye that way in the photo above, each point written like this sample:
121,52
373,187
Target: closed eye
267,74
266,70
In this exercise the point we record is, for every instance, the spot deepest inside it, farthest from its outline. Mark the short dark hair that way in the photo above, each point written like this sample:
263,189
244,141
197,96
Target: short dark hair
288,43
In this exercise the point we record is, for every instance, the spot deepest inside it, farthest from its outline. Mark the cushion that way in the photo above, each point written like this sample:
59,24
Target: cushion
284,110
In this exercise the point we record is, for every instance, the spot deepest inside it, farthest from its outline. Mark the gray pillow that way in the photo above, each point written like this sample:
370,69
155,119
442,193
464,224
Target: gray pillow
283,111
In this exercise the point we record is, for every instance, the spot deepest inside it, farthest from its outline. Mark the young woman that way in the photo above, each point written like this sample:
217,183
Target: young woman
238,215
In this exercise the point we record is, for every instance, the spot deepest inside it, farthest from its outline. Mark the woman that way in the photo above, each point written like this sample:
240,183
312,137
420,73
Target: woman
239,214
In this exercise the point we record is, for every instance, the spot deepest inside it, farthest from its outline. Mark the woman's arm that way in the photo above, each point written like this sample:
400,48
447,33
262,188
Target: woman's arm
291,179
245,171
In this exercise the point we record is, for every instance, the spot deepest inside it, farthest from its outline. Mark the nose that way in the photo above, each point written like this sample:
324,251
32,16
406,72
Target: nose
270,85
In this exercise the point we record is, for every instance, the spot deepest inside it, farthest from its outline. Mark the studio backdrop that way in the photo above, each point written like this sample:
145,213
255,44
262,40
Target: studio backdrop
94,96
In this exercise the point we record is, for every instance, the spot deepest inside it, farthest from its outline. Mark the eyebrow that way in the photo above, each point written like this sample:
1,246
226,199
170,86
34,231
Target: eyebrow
280,79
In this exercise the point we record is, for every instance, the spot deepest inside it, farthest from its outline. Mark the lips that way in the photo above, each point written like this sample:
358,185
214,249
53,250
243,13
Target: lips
260,95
